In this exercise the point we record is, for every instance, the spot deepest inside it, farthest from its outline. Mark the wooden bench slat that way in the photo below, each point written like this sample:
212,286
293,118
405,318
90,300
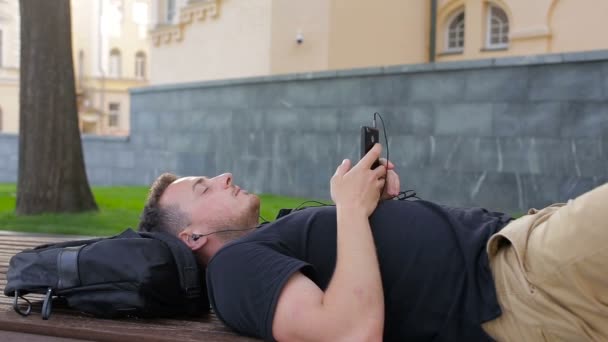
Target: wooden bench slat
114,330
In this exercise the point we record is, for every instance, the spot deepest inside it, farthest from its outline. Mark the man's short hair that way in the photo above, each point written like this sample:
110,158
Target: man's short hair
157,218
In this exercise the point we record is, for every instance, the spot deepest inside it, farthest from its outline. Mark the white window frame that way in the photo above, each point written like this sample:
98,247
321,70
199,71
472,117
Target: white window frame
115,64
170,10
113,115
140,65
448,29
489,44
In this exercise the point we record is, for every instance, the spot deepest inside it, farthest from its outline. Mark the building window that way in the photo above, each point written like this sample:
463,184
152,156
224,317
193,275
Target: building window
170,11
140,18
140,64
115,63
81,65
497,28
455,33
118,6
114,114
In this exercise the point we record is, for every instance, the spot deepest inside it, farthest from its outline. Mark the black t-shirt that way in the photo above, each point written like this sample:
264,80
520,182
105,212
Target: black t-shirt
435,274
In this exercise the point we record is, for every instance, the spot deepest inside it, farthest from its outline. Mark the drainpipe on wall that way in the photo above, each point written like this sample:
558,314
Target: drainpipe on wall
433,32
101,68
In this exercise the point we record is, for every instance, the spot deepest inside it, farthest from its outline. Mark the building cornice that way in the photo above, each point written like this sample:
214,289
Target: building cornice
198,11
539,32
193,12
111,84
500,62
9,75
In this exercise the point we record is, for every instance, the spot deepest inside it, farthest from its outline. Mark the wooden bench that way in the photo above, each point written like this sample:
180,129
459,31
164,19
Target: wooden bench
68,325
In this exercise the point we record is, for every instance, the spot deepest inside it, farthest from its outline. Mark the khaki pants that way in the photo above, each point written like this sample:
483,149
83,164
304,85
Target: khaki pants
550,268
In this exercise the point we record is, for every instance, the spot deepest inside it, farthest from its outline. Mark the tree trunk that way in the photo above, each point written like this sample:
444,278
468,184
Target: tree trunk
52,177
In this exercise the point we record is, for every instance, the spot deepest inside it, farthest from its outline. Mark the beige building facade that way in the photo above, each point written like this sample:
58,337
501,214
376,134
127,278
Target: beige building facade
110,53
528,27
110,46
120,44
196,40
9,64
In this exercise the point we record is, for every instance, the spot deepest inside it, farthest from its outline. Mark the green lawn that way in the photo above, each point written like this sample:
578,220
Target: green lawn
119,208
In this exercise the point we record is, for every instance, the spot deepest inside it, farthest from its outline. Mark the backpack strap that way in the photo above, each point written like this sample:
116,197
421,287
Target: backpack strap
67,267
67,258
189,274
16,304
48,304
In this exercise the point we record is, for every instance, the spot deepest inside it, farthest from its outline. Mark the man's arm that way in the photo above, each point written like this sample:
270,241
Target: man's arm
352,307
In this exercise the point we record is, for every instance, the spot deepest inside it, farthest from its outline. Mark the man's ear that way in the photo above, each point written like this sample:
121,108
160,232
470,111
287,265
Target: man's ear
186,236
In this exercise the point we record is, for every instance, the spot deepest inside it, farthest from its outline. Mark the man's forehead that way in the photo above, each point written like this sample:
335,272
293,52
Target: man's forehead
188,179
178,189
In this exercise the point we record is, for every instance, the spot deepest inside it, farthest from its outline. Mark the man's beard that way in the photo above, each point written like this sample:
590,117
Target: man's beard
241,226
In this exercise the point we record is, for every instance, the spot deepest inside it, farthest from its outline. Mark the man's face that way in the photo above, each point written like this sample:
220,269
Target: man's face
213,202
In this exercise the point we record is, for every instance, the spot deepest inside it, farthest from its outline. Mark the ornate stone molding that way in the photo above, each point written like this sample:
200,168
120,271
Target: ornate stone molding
167,34
192,12
198,11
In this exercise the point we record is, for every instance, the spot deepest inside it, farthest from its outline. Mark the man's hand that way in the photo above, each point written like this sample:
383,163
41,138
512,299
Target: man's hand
351,308
393,185
359,188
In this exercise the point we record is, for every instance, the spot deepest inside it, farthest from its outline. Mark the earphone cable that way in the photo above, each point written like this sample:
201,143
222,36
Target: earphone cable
386,141
198,236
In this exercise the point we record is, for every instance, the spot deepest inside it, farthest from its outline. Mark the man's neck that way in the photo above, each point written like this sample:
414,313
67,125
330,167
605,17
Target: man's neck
209,251
215,244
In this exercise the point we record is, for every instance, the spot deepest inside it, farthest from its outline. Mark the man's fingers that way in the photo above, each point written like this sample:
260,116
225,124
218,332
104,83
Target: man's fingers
380,172
371,156
380,183
392,181
390,165
343,168
393,190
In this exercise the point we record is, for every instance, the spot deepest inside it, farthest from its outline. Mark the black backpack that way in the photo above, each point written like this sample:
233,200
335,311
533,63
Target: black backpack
130,274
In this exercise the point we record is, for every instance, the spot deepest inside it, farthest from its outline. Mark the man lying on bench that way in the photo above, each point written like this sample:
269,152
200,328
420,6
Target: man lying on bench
367,269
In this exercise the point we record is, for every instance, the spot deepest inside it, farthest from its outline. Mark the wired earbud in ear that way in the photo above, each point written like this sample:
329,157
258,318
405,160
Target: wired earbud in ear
195,237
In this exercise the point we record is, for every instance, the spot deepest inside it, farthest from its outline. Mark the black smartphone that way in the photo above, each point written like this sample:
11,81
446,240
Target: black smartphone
369,136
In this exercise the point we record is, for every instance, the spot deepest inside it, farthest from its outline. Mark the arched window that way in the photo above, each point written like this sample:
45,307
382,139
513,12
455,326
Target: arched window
497,28
140,64
455,33
115,63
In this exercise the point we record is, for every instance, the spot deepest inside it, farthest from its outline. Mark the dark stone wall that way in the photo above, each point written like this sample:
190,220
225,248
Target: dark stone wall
507,134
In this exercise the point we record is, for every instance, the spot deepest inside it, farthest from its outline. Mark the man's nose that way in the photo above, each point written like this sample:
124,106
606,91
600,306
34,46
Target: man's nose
225,179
